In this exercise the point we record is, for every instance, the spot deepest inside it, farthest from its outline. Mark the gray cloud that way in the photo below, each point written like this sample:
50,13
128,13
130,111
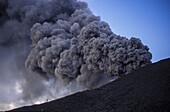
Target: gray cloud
65,48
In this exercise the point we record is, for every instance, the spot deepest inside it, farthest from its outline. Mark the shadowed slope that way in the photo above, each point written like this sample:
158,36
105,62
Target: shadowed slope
144,90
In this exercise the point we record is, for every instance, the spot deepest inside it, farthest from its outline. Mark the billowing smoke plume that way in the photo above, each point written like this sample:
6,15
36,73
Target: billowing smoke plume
78,45
63,41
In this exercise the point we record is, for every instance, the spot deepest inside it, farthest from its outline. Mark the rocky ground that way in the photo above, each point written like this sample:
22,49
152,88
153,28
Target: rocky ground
144,90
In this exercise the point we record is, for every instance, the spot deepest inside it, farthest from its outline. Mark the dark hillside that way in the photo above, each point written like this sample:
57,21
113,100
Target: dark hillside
145,90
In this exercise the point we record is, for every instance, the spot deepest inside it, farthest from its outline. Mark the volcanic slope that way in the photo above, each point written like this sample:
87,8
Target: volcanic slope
144,90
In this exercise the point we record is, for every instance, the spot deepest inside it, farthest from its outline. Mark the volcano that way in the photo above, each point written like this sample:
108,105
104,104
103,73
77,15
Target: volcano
145,90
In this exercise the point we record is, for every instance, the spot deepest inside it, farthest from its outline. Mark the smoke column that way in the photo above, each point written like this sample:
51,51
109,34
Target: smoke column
52,48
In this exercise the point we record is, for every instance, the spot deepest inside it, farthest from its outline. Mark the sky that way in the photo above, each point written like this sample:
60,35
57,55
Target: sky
148,20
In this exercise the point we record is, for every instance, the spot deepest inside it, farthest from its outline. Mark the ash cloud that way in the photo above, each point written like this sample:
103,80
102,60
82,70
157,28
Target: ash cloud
64,47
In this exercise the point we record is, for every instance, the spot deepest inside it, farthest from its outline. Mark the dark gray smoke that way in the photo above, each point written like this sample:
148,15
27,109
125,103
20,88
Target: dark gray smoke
61,41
